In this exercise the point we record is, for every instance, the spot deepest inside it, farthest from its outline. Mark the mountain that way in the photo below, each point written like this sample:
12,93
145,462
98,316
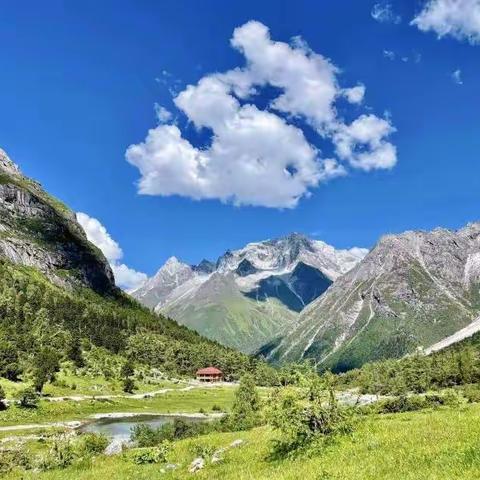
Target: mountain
38,231
57,292
412,290
250,296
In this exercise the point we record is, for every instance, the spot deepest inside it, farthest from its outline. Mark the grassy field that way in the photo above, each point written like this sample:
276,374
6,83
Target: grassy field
429,445
191,401
68,385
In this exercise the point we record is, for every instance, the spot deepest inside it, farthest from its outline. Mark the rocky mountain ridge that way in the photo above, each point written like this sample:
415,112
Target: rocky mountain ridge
38,231
412,290
251,295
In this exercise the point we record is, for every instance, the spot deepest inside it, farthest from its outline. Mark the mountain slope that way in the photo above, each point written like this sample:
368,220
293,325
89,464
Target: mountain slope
57,293
250,296
36,230
411,290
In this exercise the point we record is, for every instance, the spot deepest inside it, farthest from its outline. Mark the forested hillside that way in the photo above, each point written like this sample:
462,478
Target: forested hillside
58,297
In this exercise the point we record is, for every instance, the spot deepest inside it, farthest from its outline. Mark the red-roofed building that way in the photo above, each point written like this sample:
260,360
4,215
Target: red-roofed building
209,374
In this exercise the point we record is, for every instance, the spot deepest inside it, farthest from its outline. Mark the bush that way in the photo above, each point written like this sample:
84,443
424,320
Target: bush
413,403
61,455
3,406
246,406
93,443
13,458
216,408
28,398
306,415
128,385
146,436
472,394
143,456
201,450
401,404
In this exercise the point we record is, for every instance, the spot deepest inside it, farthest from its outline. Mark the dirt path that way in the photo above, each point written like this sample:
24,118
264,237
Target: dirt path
135,396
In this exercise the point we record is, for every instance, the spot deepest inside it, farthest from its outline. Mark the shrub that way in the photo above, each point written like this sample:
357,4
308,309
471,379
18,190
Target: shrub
216,408
246,406
146,436
201,450
128,385
472,394
3,406
93,443
305,415
61,455
402,404
28,398
144,456
13,458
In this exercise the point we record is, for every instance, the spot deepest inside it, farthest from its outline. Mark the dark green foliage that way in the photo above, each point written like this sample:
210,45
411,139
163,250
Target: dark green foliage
2,398
145,436
9,366
458,365
93,443
46,365
75,353
127,369
13,458
411,403
144,456
28,398
128,385
35,314
246,406
306,416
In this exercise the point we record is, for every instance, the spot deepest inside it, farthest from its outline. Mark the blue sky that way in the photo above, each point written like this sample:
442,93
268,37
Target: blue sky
80,80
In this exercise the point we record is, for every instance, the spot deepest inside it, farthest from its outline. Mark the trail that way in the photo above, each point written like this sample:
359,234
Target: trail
135,396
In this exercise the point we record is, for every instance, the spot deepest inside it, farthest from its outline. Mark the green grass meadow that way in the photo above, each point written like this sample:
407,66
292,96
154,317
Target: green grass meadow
441,444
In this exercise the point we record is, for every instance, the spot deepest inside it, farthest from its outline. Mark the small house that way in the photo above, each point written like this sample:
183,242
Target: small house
209,374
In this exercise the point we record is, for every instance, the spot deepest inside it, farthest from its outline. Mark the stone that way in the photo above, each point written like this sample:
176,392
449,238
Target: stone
197,464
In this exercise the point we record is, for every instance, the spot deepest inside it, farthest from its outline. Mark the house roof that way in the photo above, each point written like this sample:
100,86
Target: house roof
209,371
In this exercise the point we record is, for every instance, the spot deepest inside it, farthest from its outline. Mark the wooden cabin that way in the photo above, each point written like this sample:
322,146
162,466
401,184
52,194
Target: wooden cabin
209,374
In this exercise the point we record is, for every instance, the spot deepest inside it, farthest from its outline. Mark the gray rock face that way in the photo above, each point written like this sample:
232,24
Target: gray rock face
38,231
411,290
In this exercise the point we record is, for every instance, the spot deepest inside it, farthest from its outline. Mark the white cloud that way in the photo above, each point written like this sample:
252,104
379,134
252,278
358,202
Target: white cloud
162,114
255,157
355,94
125,277
383,13
457,18
457,77
367,130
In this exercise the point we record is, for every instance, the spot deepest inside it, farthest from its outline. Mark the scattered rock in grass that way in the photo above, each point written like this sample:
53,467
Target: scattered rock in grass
114,448
237,443
196,465
218,455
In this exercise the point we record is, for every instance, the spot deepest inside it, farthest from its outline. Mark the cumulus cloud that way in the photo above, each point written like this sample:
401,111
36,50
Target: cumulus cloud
459,19
256,156
355,94
125,277
383,13
366,131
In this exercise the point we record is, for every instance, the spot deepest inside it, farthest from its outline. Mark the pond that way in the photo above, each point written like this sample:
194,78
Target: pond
118,430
